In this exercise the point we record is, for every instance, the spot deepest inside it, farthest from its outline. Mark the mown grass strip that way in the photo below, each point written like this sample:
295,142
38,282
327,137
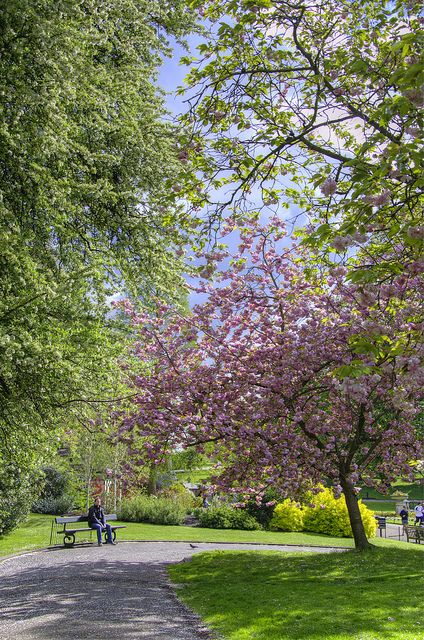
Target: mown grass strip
35,534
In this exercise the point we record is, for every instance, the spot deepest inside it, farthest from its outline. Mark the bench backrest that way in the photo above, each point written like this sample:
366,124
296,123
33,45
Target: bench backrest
412,531
69,519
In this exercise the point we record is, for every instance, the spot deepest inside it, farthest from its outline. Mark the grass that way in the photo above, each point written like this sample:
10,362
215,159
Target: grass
284,596
196,476
35,534
414,490
381,505
280,596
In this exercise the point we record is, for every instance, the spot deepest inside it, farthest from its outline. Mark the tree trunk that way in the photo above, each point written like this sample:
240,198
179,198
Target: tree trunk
361,540
152,484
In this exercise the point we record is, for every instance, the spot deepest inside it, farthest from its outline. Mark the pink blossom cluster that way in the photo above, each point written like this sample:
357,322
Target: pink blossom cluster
378,200
328,187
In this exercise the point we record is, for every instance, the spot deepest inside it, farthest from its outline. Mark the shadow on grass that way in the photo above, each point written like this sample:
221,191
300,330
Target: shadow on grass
307,596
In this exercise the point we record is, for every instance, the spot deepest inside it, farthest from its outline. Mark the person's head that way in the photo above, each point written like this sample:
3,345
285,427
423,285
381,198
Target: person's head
97,501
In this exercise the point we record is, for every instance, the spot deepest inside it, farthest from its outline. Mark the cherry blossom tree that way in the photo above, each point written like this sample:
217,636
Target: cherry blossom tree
291,379
315,104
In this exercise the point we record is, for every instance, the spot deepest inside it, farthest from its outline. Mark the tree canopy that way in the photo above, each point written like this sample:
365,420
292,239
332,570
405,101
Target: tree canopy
315,106
274,369
87,158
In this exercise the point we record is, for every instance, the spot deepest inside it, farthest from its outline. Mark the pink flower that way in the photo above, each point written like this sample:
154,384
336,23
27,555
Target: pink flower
328,187
360,238
416,97
218,115
382,198
341,242
378,200
413,131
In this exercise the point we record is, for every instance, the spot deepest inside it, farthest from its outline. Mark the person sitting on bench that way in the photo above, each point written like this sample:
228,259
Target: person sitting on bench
96,520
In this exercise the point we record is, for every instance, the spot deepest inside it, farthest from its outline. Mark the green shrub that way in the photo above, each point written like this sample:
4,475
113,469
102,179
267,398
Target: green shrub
264,511
156,510
183,496
226,517
54,506
288,516
329,515
322,513
18,490
55,498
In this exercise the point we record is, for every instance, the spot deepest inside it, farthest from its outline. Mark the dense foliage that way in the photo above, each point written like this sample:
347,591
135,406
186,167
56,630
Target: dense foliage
226,517
18,490
288,516
322,512
153,509
86,210
262,507
56,496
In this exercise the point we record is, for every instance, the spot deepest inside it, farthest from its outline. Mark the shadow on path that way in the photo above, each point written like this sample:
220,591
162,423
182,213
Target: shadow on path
101,592
70,597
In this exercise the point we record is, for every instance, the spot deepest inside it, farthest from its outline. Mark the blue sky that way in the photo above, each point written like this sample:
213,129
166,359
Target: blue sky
171,76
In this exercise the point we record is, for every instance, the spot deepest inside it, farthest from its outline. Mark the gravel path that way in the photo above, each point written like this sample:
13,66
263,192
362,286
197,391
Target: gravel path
119,592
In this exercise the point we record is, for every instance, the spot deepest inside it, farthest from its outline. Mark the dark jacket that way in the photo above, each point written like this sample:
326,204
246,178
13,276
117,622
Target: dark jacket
404,515
96,515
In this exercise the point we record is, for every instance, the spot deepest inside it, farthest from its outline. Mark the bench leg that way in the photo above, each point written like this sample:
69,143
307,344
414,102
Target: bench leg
113,535
69,539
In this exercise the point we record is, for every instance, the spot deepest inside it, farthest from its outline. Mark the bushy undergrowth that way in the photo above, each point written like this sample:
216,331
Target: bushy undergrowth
182,496
264,510
55,498
53,506
18,490
156,510
288,516
226,517
321,513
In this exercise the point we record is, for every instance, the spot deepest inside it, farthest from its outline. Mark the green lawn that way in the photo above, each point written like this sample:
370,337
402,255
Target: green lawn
283,596
35,534
279,596
381,505
414,490
196,476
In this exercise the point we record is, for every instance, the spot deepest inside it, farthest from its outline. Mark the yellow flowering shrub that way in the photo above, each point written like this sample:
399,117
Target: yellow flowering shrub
321,512
324,513
288,516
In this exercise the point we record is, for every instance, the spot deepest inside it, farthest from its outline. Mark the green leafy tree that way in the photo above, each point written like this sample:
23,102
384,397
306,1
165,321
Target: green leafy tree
87,209
317,106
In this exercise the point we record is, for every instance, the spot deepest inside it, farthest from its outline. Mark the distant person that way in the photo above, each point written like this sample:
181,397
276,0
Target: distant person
97,521
404,515
419,514
205,503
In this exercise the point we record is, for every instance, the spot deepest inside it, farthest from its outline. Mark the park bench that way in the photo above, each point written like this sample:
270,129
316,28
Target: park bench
70,527
414,533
